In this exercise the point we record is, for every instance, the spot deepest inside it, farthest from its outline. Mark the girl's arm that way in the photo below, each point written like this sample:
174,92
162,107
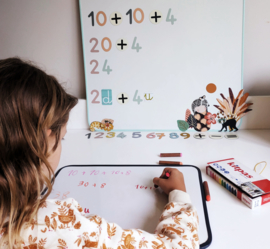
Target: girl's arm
177,228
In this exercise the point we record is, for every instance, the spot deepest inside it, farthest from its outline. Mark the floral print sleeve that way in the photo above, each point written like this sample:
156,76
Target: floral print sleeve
177,228
63,224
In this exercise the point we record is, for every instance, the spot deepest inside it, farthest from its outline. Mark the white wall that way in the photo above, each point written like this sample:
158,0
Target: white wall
48,32
257,47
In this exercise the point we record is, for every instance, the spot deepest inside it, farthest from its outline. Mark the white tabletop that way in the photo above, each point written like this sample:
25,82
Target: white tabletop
233,224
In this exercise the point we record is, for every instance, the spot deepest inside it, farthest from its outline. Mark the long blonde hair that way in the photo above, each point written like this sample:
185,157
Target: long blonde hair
31,102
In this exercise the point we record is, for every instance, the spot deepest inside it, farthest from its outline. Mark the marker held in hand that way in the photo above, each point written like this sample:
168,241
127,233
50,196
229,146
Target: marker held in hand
167,175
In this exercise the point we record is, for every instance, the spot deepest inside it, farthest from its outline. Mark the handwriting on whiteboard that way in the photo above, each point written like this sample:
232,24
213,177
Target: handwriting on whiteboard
85,184
59,195
81,183
143,187
86,210
97,172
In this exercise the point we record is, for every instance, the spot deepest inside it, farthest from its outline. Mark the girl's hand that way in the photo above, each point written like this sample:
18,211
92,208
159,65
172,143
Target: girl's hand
175,181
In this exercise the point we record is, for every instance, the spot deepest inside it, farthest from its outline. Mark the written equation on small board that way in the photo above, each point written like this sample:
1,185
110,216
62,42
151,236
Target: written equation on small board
92,183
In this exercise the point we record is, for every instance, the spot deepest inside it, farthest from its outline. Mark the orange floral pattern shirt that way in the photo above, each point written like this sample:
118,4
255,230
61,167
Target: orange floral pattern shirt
63,224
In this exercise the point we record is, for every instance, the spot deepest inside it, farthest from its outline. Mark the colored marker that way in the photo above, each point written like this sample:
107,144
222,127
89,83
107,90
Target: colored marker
167,175
206,190
170,154
170,163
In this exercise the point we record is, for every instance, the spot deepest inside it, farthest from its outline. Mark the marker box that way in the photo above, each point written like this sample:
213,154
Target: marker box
245,178
250,187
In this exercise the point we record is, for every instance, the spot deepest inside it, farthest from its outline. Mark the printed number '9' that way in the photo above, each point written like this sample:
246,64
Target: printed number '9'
185,135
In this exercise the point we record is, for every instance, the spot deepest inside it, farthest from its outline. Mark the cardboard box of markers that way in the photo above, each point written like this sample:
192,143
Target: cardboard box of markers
247,185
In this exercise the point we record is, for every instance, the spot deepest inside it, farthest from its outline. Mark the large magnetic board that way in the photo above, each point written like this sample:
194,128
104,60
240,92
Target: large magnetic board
145,70
126,195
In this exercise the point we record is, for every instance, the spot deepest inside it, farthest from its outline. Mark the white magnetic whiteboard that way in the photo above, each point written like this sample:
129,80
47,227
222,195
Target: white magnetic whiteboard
126,195
144,70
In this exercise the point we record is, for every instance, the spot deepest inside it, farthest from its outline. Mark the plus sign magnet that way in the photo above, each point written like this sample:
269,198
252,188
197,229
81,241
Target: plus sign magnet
121,44
122,98
155,17
199,136
116,18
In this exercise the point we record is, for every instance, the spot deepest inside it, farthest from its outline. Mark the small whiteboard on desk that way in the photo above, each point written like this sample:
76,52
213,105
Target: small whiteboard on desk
126,195
146,62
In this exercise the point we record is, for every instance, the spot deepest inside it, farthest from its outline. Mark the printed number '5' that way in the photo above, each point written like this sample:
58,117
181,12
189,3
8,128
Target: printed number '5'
136,135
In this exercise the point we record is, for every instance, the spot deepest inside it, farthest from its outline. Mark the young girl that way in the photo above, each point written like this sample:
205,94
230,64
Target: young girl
34,111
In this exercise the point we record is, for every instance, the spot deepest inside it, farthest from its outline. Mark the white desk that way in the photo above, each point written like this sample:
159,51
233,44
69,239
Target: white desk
233,224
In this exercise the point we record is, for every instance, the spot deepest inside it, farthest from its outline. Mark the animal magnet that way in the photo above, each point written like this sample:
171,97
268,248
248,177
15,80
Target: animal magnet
105,124
232,109
201,119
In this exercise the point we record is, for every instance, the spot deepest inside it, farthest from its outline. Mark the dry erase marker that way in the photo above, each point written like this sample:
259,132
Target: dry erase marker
206,190
170,163
170,154
167,175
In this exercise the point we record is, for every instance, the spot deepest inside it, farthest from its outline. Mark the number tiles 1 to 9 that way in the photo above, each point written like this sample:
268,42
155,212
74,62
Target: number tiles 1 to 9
154,135
146,61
